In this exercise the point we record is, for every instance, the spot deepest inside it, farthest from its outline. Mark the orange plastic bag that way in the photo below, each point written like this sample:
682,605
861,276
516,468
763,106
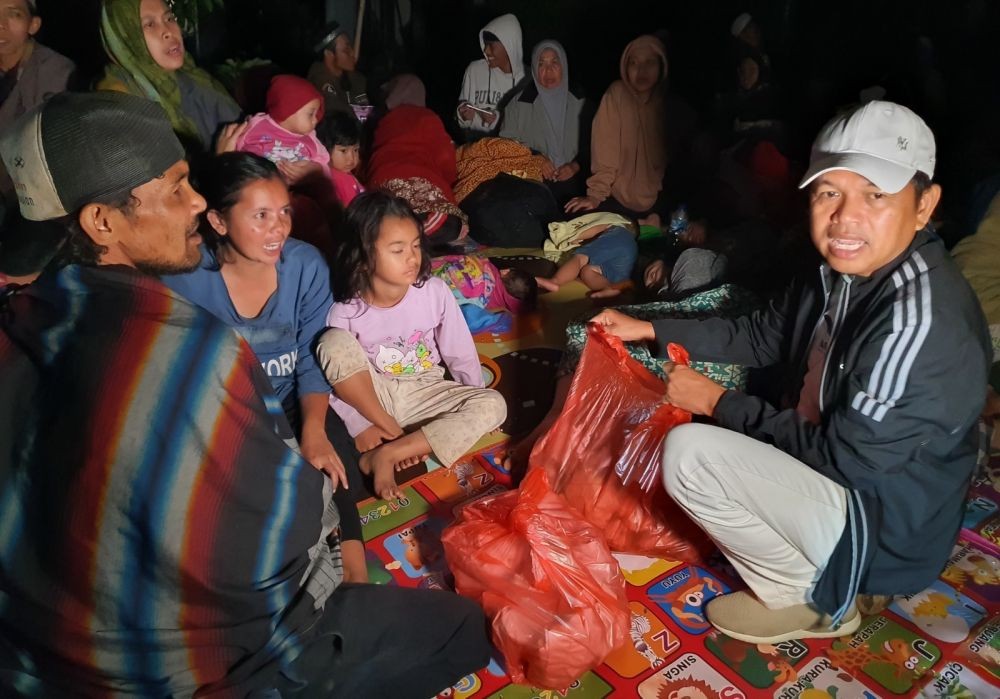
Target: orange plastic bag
554,592
603,453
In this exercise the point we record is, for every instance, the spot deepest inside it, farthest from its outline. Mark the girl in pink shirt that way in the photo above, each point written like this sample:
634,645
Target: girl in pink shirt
392,326
341,134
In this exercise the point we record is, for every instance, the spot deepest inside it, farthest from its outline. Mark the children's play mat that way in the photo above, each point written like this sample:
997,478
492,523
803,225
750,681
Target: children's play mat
942,642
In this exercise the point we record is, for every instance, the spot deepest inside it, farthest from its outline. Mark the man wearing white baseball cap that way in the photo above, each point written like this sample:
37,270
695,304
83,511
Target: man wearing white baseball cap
855,482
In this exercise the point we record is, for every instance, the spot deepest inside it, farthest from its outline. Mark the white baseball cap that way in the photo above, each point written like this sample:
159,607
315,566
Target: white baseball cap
881,141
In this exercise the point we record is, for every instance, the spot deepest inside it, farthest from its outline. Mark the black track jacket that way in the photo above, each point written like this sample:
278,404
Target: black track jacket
903,384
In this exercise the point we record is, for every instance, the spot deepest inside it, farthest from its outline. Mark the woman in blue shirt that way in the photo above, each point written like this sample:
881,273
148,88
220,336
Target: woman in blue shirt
275,292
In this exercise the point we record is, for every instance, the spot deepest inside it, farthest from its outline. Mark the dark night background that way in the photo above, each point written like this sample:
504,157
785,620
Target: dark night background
822,53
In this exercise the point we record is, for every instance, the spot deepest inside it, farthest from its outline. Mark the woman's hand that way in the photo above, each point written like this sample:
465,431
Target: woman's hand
565,172
581,204
299,170
488,117
318,451
230,134
624,327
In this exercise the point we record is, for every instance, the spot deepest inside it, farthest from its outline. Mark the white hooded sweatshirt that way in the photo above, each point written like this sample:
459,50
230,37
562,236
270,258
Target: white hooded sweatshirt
483,86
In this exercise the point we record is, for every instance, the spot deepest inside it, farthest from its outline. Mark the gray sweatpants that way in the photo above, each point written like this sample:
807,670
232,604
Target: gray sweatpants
775,519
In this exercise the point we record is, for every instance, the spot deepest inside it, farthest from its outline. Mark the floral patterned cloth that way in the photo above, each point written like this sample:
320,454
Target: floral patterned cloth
486,158
423,196
727,301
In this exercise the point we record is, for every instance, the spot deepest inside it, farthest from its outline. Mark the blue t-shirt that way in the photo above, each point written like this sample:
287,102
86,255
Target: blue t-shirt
283,335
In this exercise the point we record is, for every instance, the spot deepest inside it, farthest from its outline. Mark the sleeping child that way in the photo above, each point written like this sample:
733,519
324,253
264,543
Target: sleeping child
604,251
484,292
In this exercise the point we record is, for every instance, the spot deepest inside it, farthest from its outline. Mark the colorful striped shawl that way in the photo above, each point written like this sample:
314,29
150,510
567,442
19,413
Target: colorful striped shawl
156,518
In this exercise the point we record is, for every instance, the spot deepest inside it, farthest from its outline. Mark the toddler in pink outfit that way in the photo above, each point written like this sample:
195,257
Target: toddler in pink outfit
286,133
341,134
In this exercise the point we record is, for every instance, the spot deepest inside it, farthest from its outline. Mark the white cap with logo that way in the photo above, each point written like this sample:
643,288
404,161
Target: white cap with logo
883,142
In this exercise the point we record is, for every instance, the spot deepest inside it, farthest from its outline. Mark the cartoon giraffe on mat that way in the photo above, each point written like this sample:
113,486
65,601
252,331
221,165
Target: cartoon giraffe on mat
895,652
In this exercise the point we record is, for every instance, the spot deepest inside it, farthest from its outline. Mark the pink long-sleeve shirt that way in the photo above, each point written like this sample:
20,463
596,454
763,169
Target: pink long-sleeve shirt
408,339
346,186
267,138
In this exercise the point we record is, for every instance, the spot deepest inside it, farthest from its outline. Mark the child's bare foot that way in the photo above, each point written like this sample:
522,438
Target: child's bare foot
547,284
385,483
410,461
383,472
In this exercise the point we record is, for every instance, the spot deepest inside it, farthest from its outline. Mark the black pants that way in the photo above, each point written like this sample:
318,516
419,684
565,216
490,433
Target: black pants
380,641
346,498
343,444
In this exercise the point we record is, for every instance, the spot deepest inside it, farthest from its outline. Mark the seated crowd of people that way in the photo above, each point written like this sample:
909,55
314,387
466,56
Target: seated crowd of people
180,500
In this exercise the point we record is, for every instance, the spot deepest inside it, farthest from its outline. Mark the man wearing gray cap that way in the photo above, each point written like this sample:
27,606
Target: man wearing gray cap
160,533
855,483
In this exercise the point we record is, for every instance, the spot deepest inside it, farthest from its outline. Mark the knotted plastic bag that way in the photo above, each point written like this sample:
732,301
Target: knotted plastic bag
604,453
546,579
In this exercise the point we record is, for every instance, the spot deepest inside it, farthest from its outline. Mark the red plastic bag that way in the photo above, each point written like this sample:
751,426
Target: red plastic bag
606,446
554,592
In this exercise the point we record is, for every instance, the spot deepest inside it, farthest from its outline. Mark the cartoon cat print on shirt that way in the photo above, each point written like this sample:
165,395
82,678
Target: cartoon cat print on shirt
404,357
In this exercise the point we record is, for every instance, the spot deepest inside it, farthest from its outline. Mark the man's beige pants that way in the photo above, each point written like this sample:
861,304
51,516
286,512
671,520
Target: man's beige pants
452,417
775,519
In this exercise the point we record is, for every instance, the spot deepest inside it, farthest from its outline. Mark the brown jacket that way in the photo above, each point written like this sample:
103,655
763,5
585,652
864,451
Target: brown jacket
628,150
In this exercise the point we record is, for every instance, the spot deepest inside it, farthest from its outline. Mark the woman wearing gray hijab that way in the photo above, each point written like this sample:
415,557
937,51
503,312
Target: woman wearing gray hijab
544,115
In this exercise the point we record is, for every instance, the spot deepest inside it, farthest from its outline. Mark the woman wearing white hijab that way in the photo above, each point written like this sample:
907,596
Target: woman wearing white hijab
546,117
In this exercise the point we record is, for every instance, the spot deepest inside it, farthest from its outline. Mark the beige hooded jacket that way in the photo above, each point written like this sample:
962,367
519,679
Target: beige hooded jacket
628,150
